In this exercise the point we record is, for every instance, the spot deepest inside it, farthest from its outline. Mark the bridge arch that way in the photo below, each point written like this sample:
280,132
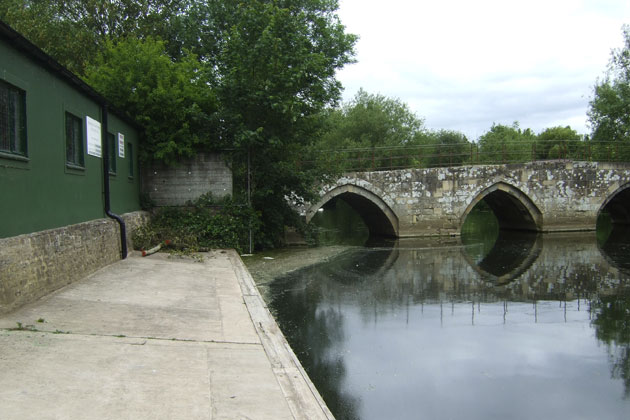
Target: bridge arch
377,215
617,204
512,207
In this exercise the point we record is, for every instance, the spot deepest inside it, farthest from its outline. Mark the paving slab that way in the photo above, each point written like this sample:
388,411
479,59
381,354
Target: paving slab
153,338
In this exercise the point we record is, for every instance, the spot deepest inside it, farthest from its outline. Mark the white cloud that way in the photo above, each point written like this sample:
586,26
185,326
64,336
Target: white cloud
464,65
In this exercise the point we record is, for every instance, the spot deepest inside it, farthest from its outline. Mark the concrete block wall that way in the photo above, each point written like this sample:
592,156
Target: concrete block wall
36,264
175,186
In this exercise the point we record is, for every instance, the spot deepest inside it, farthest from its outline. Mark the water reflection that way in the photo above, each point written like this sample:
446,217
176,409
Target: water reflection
616,247
612,326
510,256
316,335
439,330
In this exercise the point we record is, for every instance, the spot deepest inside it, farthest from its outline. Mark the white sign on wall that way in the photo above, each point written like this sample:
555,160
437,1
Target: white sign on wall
121,145
93,137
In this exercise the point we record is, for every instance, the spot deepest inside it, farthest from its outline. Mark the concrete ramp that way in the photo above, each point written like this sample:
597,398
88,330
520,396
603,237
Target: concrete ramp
153,338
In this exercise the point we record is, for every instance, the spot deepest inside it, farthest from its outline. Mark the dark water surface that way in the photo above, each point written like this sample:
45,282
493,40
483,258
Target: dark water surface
492,326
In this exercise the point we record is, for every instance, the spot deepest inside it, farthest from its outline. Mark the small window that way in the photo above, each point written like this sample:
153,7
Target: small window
130,156
112,148
74,141
12,120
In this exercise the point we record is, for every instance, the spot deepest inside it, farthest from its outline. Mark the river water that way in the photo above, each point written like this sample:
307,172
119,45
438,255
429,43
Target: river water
489,325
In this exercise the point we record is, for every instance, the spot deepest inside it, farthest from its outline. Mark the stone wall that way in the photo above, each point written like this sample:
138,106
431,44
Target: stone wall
558,195
175,186
36,264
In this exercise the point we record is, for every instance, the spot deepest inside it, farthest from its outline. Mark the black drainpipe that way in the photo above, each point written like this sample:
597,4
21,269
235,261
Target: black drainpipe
121,222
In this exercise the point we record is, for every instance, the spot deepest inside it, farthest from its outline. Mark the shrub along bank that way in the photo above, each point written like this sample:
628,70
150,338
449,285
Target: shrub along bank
204,224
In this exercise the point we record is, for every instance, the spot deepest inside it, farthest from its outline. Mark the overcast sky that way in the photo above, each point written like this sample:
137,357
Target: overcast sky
464,65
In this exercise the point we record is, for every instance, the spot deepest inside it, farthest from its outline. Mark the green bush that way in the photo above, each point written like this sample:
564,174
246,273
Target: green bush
202,225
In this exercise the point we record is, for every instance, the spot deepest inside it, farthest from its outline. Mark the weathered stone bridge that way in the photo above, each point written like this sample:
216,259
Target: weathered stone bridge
546,196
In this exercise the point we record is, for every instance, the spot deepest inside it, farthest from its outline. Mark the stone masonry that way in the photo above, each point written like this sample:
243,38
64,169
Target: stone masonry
549,196
36,264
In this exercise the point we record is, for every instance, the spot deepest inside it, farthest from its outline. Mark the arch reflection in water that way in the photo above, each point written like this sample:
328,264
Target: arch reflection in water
423,333
497,254
510,256
615,247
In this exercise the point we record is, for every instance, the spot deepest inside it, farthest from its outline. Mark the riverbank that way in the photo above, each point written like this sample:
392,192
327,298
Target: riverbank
153,338
266,266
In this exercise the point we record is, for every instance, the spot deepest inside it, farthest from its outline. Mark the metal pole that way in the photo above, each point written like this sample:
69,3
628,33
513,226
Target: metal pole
249,194
533,152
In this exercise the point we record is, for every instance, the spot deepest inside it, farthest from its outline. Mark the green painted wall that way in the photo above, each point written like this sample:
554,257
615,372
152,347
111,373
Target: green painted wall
41,192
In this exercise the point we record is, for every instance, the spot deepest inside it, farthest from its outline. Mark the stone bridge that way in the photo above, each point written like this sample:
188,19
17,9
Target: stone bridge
545,196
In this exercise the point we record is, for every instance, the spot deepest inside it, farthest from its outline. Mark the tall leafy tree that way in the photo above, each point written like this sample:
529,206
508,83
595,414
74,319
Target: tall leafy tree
448,148
609,112
370,120
276,66
170,99
375,131
504,144
558,142
371,131
74,31
68,42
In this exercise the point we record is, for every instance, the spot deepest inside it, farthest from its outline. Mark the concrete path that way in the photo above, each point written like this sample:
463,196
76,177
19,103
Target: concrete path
153,338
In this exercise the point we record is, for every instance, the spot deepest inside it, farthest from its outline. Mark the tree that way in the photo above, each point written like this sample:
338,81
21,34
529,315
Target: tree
74,31
376,131
448,148
66,41
371,131
370,120
276,64
558,142
505,144
609,112
171,100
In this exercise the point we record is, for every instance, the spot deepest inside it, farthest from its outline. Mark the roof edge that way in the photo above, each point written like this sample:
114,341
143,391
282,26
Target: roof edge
22,44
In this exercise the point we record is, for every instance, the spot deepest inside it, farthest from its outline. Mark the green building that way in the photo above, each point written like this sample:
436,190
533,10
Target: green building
51,152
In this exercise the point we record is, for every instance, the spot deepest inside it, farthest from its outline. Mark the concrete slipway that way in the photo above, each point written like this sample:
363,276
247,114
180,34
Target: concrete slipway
153,338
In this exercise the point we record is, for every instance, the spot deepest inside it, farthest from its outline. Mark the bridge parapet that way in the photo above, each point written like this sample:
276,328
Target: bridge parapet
549,196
